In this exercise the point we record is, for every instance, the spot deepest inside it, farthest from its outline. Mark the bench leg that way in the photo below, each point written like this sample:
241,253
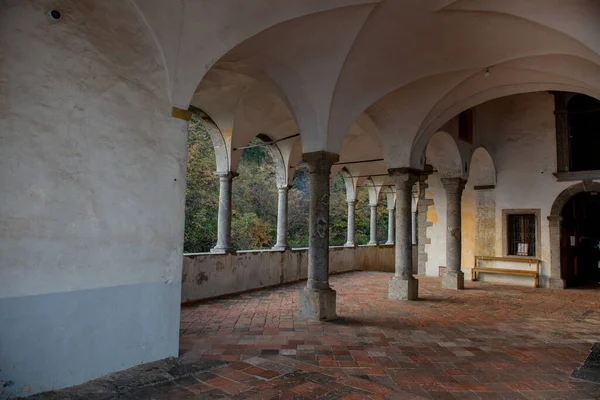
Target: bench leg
473,275
537,282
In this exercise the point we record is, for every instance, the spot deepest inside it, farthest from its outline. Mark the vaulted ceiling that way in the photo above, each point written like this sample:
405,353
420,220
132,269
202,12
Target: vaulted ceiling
367,79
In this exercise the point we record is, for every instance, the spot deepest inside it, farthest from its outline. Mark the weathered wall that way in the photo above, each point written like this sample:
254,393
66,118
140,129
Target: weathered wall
208,275
436,229
92,201
519,133
485,222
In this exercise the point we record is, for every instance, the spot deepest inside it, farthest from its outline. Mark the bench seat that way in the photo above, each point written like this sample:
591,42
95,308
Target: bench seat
506,271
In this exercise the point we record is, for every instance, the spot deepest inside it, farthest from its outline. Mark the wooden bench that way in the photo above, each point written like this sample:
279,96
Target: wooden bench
535,274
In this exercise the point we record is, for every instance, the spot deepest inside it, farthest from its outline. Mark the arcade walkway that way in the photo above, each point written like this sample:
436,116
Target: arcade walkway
487,342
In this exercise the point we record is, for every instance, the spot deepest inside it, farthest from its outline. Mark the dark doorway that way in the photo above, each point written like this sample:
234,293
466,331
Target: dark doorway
580,236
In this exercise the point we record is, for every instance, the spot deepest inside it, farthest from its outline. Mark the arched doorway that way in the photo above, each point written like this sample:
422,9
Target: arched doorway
574,223
580,238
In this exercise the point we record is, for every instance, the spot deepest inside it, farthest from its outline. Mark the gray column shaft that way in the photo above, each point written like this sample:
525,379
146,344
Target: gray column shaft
282,218
454,188
391,218
319,166
414,227
373,237
351,236
403,249
224,217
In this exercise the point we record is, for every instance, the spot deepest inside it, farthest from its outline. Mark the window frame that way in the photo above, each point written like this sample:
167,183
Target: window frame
536,212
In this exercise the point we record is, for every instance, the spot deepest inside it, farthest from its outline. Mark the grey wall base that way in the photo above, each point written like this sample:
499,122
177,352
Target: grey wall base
56,340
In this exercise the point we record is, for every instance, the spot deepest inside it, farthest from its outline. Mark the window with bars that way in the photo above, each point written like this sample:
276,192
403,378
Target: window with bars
521,234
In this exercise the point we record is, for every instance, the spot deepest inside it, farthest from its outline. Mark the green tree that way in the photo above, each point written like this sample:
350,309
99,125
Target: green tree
202,191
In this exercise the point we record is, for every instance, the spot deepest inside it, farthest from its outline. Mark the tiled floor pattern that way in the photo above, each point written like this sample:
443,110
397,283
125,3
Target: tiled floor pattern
486,342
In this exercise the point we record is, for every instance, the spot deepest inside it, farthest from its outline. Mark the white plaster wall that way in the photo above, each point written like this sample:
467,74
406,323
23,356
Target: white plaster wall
92,170
519,132
207,275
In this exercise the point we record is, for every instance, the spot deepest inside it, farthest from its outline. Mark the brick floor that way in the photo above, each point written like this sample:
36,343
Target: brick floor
486,342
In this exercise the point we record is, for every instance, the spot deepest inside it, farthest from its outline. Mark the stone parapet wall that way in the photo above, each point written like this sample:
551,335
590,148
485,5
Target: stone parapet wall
207,275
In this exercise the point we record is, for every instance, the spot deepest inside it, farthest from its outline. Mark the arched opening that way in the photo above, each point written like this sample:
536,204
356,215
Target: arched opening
202,189
442,152
566,234
580,240
254,217
583,113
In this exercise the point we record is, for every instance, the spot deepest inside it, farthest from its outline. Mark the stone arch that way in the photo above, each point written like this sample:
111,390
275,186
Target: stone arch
480,97
220,143
374,190
281,170
554,219
390,197
350,183
479,207
482,170
442,152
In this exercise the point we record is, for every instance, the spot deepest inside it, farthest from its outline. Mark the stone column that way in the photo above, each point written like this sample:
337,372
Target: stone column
454,278
351,237
224,217
373,240
390,239
282,218
556,281
422,224
317,300
403,285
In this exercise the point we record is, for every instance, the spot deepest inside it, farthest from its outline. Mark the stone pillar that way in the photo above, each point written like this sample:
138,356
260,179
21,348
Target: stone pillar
351,237
403,285
454,278
373,240
413,220
390,239
317,300
282,218
556,281
422,224
224,217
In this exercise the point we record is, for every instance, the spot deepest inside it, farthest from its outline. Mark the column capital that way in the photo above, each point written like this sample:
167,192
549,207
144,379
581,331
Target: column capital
320,161
454,185
284,187
225,174
404,177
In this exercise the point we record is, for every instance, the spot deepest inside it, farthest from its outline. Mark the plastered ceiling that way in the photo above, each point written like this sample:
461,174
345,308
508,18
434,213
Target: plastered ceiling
366,79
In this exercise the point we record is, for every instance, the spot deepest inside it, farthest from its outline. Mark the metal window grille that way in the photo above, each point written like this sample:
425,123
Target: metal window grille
521,235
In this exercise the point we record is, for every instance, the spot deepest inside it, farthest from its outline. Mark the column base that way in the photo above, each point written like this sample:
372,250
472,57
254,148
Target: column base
388,242
403,289
557,283
316,304
222,250
454,281
281,248
372,244
348,244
